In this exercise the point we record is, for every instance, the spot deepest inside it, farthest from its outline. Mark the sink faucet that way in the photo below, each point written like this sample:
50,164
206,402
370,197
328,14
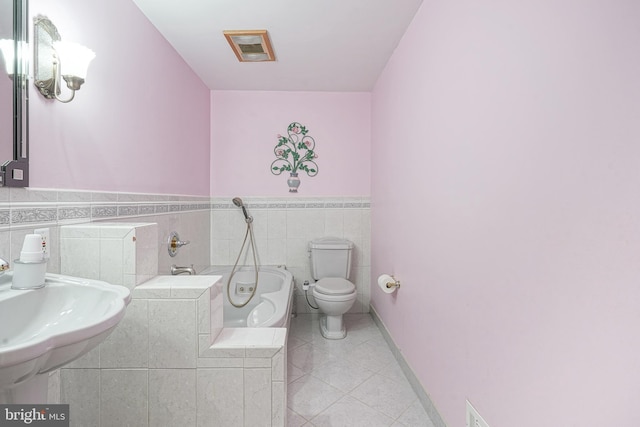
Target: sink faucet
179,270
4,265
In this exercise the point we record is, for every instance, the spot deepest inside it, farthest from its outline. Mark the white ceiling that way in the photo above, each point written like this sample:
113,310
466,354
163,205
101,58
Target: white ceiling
320,45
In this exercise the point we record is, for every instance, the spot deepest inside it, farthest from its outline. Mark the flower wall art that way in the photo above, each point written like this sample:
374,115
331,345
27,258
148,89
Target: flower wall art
295,152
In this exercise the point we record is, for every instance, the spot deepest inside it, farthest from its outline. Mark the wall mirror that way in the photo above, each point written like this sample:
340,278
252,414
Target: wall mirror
14,112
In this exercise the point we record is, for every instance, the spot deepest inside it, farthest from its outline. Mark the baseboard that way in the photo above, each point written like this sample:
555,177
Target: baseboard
424,398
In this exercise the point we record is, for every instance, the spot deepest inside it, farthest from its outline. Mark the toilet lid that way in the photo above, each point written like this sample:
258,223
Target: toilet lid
334,286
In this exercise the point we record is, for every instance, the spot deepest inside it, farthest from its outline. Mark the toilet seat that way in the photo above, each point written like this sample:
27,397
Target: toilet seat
334,296
334,286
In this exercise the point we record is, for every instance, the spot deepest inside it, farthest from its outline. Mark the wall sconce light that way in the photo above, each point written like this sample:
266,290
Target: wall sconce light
14,62
8,53
55,58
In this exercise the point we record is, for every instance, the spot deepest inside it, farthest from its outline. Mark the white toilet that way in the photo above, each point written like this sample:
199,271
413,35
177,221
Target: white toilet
334,294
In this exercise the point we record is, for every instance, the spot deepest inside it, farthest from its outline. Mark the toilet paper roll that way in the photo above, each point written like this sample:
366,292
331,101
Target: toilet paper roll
387,283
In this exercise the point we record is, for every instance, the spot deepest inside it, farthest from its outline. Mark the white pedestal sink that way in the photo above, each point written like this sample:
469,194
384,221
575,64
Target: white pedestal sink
44,329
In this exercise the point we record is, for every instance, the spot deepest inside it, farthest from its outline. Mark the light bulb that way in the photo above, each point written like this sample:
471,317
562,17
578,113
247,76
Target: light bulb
74,58
8,52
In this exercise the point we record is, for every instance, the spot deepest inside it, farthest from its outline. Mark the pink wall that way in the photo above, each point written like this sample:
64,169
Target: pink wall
506,199
244,129
141,121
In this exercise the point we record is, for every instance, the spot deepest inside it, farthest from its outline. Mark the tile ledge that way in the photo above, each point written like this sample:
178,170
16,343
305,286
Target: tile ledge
249,338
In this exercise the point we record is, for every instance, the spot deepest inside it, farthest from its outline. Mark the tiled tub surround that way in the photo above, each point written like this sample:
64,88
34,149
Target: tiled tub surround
283,229
22,210
120,253
147,367
242,379
170,363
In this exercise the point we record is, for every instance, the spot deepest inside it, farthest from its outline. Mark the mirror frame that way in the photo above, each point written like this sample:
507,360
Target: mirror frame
15,172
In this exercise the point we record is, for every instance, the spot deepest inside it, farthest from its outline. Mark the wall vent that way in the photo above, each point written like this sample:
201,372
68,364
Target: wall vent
250,45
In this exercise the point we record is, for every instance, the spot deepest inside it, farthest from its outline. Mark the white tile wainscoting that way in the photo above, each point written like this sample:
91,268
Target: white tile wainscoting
215,227
113,380
24,209
145,372
120,253
284,227
170,363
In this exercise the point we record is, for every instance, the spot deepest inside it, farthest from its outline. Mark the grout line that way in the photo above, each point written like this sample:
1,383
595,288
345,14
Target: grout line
373,373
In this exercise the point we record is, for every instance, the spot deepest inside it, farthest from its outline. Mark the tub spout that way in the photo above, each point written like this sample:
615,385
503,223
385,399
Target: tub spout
180,270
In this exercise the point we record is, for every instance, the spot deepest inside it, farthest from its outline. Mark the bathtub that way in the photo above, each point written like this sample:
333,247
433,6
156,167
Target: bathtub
271,305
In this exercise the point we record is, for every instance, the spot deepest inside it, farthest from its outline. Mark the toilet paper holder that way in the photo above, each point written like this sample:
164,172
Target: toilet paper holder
389,281
394,284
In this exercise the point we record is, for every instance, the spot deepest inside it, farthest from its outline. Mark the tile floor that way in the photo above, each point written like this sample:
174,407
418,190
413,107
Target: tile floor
347,383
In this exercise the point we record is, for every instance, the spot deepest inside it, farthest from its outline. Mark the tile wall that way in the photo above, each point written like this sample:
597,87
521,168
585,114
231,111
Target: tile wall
170,363
144,373
242,379
23,210
120,253
283,229
215,228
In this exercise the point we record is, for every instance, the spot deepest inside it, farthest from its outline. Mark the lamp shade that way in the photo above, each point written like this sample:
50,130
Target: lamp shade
8,52
74,58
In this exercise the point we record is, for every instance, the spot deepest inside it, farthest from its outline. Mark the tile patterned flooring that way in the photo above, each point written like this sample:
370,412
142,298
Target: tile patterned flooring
347,383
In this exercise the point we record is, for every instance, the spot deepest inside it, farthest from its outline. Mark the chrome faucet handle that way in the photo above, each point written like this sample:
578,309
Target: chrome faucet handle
174,243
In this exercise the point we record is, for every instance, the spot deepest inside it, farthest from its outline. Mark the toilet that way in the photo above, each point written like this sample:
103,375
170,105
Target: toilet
333,292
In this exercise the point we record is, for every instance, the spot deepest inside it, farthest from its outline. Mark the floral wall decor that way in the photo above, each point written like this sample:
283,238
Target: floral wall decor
295,152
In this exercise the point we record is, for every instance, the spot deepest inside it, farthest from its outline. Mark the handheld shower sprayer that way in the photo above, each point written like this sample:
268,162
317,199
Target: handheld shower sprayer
238,202
252,245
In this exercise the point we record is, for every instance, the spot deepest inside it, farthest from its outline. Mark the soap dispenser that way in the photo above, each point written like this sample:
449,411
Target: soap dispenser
29,270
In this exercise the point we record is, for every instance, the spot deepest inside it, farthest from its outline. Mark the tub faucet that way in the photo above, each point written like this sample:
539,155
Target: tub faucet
175,270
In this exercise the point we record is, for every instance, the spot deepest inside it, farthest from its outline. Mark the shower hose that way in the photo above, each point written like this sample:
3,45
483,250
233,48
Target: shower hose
247,235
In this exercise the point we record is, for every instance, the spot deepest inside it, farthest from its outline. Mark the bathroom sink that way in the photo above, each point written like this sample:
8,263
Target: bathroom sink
44,329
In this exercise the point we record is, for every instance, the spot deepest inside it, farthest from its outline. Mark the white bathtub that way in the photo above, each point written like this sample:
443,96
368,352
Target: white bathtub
271,305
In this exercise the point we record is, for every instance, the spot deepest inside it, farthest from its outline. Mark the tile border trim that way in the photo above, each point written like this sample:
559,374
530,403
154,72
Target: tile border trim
26,207
328,202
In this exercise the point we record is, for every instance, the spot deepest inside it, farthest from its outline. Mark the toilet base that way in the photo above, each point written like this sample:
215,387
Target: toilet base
332,328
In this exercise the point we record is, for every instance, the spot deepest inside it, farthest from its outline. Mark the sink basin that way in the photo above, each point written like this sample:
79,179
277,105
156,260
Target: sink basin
44,329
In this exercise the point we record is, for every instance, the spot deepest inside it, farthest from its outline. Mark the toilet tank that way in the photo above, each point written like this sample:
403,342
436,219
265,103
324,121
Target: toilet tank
330,257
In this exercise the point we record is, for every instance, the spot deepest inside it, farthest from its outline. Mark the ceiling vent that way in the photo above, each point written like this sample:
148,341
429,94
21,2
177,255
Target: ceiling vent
250,45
